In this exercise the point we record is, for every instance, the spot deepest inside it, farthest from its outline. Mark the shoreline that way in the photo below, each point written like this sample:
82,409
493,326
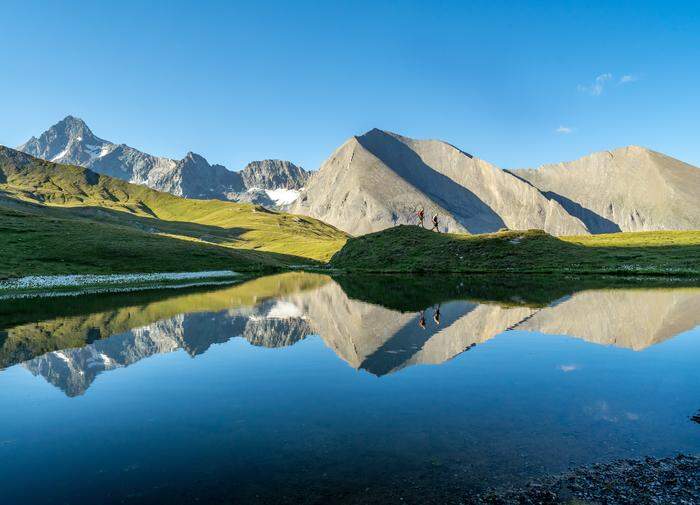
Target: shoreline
671,480
46,286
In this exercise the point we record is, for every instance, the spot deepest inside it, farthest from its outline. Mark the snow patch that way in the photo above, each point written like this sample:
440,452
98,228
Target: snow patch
285,310
60,155
60,355
106,149
283,196
280,196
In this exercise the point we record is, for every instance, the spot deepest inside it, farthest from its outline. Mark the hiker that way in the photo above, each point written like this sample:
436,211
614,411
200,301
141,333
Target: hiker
435,224
421,321
436,315
421,218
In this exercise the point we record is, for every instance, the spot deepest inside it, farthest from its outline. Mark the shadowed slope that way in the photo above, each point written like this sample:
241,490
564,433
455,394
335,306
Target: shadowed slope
632,189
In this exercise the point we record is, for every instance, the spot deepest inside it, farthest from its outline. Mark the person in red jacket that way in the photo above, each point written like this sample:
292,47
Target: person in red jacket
421,218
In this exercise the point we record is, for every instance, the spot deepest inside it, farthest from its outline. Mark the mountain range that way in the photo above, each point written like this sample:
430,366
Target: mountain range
381,179
266,182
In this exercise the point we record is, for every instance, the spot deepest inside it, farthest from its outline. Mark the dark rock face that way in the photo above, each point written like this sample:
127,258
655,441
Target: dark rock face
274,174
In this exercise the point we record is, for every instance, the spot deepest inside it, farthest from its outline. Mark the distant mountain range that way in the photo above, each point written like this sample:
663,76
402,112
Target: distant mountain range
381,179
267,182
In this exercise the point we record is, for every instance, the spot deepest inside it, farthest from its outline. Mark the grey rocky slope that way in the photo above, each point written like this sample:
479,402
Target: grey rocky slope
628,189
380,179
70,141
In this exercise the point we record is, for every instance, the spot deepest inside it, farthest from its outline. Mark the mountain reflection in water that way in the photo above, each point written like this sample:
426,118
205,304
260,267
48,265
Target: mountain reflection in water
380,325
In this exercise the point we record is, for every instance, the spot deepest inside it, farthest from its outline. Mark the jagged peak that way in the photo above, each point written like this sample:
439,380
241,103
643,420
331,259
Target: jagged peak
72,122
197,158
259,164
72,119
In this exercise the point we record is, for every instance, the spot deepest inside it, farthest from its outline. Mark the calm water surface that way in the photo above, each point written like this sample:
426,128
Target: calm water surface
298,388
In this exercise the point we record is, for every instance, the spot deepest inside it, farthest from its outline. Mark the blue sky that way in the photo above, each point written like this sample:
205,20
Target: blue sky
515,83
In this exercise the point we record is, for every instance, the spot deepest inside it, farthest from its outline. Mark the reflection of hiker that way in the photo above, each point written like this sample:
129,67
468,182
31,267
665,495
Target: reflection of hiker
435,224
421,218
436,315
421,321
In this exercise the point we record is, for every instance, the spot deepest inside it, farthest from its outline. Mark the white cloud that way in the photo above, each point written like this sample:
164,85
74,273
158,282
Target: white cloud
567,368
628,78
596,88
564,129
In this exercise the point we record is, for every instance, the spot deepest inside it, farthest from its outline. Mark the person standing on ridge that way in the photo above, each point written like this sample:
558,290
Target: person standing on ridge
421,218
435,224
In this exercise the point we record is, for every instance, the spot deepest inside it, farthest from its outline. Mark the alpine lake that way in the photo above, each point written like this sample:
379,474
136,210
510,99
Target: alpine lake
306,388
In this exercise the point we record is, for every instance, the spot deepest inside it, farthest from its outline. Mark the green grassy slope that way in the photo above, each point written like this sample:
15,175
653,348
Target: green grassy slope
152,228
413,249
37,242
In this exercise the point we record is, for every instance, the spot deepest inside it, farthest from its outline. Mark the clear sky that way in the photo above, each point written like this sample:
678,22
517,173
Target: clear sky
516,83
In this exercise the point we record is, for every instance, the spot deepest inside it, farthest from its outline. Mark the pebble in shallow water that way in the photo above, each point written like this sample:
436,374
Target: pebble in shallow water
624,482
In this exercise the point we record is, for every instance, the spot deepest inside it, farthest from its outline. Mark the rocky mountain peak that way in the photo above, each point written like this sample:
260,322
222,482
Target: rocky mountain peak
68,141
195,158
74,129
274,174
